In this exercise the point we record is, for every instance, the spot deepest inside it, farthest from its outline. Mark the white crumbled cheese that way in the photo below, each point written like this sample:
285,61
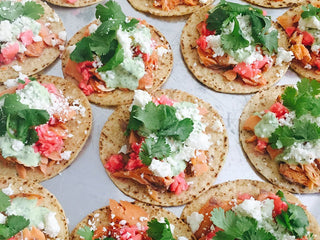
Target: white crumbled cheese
66,155
142,37
124,39
203,1
308,66
160,168
283,56
302,152
11,82
17,145
141,98
123,149
8,190
194,221
51,227
37,38
92,28
287,119
182,238
17,68
5,31
214,42
123,222
161,51
62,35
3,218
199,140
309,22
71,48
254,56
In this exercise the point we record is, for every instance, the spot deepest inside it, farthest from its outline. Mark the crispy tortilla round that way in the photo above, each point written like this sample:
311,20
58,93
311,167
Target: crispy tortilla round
78,3
180,10
32,65
48,200
230,190
79,128
262,162
297,65
112,139
180,228
214,78
118,96
275,3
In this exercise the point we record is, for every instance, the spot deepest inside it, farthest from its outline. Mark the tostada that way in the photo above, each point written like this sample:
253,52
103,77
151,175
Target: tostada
247,209
275,3
32,36
234,48
114,55
280,133
164,149
44,123
169,8
73,3
29,211
126,221
302,25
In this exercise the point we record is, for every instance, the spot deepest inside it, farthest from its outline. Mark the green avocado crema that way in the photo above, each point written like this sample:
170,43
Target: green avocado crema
267,125
28,209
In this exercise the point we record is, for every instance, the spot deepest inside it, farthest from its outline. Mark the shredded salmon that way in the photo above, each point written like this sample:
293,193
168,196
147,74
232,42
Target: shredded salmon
199,163
167,5
293,173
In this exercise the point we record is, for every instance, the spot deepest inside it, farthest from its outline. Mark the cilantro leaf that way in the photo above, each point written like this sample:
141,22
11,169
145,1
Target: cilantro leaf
159,231
303,100
12,10
152,149
13,225
3,123
20,119
85,232
127,26
216,20
269,41
310,11
82,52
4,201
234,40
110,11
114,61
179,130
33,10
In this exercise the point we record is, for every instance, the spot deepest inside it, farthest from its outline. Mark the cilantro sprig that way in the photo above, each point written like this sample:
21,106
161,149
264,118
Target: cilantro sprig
237,227
226,12
10,10
310,11
302,101
294,219
13,224
86,233
159,231
103,42
18,120
162,122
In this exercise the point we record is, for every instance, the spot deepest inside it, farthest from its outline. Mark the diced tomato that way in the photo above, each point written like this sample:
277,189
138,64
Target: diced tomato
244,196
279,109
264,12
260,63
26,37
86,89
114,163
290,30
202,42
261,145
127,232
71,1
164,100
51,88
279,205
213,233
308,39
246,70
49,141
9,53
179,185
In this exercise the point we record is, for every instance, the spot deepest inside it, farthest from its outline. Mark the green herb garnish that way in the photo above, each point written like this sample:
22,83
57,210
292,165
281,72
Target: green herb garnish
310,11
159,231
12,226
226,12
103,42
10,10
85,232
18,120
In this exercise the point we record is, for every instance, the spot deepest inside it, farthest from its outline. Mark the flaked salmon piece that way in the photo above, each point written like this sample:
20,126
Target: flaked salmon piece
129,212
72,70
293,173
34,234
199,163
312,172
35,49
28,196
274,152
205,210
146,177
8,91
207,59
21,170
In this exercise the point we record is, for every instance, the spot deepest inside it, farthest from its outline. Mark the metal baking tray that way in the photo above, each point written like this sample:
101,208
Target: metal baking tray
85,186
